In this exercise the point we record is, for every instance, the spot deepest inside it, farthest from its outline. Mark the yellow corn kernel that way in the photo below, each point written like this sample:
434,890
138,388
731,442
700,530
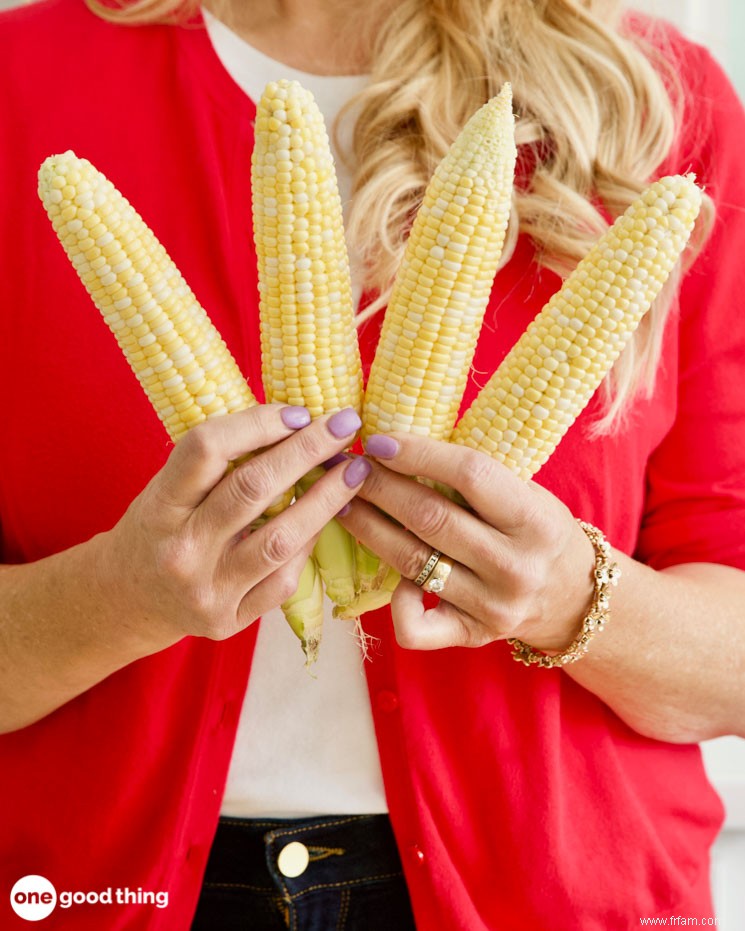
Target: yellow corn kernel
182,363
551,373
178,356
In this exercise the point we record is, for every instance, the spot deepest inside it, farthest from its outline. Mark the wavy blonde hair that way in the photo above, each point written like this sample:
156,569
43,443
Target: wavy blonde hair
598,107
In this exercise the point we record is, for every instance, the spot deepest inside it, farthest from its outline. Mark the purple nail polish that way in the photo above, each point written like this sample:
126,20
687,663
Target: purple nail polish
334,460
345,510
356,472
344,423
382,446
295,416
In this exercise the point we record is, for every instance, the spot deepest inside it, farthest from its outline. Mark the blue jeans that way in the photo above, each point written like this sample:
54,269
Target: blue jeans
353,878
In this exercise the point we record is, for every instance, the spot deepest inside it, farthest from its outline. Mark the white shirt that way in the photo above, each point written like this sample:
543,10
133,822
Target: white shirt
305,743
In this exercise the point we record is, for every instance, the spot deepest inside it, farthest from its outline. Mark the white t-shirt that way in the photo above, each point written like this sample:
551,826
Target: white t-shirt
305,743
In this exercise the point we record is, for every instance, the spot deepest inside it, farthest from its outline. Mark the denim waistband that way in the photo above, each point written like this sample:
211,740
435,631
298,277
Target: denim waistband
346,848
339,872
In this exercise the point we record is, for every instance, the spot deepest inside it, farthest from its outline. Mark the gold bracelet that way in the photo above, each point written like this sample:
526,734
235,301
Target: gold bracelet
605,574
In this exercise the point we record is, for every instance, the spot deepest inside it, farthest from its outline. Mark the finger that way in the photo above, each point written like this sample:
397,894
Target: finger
420,628
201,458
435,519
280,539
487,485
246,492
273,590
408,554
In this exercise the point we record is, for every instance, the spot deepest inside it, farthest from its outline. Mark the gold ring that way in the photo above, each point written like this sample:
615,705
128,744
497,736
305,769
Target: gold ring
428,568
437,579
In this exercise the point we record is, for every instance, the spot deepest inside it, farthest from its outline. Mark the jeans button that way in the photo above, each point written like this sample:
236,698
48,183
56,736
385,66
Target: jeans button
293,859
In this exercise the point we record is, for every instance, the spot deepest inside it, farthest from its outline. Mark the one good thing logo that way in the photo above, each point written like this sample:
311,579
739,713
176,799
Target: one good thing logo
34,897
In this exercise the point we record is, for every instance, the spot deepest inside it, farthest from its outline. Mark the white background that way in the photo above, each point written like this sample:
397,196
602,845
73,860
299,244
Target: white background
720,24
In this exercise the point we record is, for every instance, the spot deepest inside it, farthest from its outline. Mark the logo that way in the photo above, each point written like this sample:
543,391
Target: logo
33,898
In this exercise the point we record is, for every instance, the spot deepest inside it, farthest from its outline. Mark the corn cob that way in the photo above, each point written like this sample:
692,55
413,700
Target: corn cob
442,288
310,353
178,356
549,376
439,297
174,350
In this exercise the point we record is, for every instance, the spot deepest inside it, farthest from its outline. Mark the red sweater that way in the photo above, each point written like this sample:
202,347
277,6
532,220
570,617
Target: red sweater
518,798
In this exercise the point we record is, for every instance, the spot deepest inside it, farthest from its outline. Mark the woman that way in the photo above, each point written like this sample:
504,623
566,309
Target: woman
551,799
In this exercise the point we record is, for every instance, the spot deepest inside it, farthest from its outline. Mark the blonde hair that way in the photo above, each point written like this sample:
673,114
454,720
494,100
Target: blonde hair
598,107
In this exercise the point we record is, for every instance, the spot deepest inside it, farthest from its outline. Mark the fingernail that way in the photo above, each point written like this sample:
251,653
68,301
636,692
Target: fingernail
382,446
295,416
345,510
344,423
334,460
356,472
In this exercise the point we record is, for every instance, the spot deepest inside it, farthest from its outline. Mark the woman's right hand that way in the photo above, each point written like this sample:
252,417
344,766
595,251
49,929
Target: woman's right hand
183,559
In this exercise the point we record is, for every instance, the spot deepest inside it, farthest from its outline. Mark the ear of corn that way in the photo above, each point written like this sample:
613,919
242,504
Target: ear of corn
442,288
176,353
310,353
439,297
549,376
168,339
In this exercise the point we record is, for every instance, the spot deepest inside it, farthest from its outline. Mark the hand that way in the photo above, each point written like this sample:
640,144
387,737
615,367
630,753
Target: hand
183,559
522,566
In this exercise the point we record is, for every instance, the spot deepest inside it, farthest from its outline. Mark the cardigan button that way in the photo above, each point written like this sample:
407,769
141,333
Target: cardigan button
417,854
387,701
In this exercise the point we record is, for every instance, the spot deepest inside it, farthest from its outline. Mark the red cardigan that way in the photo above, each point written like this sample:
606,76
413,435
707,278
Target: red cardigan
518,798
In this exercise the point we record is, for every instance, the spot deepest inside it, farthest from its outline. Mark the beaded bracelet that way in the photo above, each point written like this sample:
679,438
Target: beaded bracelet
605,574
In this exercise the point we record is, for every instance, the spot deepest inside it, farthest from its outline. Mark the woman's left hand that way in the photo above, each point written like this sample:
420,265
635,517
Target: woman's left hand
522,565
